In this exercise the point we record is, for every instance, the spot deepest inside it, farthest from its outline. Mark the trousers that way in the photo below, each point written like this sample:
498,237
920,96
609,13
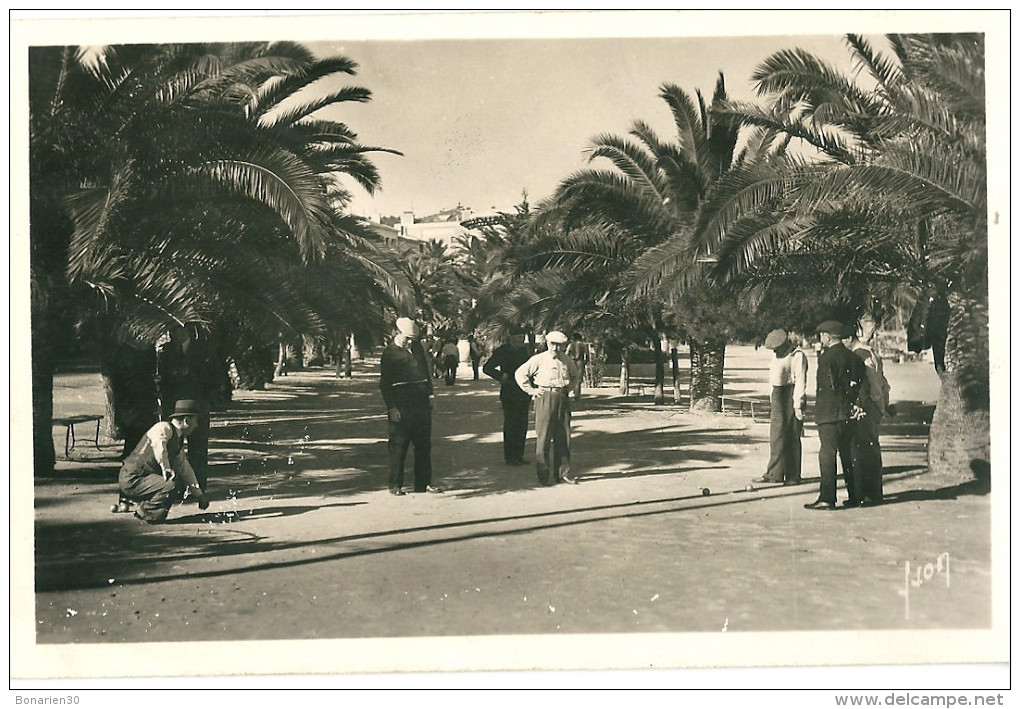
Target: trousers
515,428
552,431
837,437
414,428
784,437
868,454
154,494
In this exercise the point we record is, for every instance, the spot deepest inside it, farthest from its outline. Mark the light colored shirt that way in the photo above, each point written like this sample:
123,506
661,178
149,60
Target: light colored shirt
161,451
791,369
546,369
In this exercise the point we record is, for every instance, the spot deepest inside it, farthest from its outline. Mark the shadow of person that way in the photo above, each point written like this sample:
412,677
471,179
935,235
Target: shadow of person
951,492
241,515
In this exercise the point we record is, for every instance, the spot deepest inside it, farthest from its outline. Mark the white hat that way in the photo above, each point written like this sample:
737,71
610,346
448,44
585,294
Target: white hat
556,337
407,326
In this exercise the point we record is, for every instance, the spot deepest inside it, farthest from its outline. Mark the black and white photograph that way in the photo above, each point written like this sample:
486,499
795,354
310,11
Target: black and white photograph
511,349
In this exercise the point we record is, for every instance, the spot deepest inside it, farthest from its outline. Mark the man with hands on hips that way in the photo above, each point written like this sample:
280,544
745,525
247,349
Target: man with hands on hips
549,377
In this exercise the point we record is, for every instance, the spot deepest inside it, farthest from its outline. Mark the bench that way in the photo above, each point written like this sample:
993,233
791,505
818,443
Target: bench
739,404
69,422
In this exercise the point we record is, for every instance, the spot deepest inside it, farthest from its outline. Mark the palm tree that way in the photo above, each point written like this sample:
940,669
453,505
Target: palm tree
653,196
897,201
167,179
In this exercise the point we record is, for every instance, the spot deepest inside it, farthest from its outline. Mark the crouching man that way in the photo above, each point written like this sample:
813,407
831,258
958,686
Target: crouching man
157,473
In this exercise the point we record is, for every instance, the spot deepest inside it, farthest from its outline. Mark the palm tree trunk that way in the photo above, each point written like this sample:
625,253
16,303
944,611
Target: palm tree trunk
674,360
959,439
707,359
625,371
44,455
281,360
659,396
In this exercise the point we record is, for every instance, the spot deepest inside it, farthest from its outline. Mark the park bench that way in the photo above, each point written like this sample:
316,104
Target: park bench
757,408
70,422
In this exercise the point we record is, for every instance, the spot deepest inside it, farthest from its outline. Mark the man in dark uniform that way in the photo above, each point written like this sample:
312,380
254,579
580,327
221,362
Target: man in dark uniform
840,376
501,366
406,383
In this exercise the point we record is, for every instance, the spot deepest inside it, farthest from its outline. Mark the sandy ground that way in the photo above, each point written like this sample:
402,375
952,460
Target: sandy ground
662,536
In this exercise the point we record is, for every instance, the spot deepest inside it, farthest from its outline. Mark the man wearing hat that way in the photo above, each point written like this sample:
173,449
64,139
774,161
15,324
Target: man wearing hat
788,377
840,376
406,384
549,377
157,472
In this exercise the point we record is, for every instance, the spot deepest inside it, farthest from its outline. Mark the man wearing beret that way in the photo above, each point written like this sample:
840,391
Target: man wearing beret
549,378
840,377
788,377
406,384
157,472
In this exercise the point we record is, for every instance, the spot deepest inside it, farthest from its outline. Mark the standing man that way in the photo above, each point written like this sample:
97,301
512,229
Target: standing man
578,351
875,402
186,369
475,352
788,377
549,378
157,473
840,375
502,366
451,360
406,383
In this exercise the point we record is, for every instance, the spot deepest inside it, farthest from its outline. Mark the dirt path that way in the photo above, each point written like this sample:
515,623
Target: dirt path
303,541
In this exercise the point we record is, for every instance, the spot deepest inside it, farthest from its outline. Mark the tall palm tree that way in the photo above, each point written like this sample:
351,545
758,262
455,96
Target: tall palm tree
898,199
653,195
167,179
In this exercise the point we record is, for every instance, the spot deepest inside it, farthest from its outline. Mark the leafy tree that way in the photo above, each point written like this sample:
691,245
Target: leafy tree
897,203
652,197
167,180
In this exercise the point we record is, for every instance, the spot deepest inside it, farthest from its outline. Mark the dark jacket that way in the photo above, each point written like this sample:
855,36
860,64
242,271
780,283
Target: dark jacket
840,377
501,366
405,376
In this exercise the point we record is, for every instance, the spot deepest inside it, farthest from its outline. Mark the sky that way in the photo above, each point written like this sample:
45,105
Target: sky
481,121
488,105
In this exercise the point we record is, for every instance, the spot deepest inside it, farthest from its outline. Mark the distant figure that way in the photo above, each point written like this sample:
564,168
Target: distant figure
451,360
578,351
186,369
502,366
475,353
156,474
875,402
406,383
840,374
549,378
788,377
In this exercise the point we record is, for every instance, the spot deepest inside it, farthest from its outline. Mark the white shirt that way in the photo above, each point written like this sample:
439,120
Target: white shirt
546,370
791,369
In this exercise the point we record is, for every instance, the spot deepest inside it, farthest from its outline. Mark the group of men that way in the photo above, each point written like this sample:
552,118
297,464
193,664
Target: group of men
852,396
546,379
850,400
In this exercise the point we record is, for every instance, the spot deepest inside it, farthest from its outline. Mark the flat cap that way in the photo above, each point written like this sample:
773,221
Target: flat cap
775,338
833,327
555,337
407,326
